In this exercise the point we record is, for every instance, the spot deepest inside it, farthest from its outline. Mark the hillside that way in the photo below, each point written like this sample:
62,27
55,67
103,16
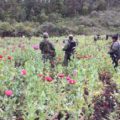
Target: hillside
59,16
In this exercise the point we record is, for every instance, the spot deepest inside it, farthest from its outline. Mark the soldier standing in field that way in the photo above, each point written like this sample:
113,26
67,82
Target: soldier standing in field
96,37
115,50
47,50
69,49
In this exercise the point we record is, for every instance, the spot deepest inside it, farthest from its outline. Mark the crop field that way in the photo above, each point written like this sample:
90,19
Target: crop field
88,89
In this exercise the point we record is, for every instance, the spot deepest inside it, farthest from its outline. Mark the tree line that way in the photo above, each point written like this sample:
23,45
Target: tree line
32,17
41,10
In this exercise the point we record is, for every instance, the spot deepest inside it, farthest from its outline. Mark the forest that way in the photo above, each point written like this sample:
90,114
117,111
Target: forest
56,16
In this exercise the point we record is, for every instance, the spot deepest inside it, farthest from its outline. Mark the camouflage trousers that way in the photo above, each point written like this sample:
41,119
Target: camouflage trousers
115,60
67,58
46,57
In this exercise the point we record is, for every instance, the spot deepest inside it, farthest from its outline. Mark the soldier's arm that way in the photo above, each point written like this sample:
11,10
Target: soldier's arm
76,43
41,46
114,48
52,46
65,47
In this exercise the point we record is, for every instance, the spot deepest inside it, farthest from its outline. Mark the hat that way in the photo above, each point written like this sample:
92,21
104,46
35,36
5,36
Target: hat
71,35
115,37
45,35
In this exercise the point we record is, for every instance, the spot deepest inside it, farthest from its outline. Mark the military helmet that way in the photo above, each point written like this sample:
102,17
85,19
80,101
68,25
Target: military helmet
70,36
45,35
115,37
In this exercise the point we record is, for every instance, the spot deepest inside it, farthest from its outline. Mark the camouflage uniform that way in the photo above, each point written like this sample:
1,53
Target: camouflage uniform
48,51
69,49
115,51
96,38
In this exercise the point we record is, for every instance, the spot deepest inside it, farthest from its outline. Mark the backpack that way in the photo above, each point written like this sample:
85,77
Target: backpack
48,48
71,46
117,52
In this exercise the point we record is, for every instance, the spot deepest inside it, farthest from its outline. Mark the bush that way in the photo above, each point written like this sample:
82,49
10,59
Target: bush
56,29
54,17
6,29
21,29
42,17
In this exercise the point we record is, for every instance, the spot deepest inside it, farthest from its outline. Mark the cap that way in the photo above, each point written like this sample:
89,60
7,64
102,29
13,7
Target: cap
45,35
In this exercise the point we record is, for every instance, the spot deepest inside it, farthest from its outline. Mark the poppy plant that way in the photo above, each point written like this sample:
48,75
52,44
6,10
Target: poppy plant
8,93
23,72
68,78
49,79
9,58
35,47
72,81
1,56
40,75
61,75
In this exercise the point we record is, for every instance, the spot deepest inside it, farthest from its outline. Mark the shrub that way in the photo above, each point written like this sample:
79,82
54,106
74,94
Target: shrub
6,29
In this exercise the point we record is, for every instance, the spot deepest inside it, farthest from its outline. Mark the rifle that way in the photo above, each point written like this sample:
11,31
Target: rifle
115,59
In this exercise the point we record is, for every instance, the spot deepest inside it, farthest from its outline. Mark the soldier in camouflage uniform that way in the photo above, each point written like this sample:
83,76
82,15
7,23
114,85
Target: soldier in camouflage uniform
115,50
69,49
47,50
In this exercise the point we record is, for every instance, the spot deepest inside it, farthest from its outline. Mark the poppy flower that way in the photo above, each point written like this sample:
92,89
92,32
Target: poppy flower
71,81
40,75
23,72
9,58
13,50
68,78
61,75
1,56
8,93
35,47
49,79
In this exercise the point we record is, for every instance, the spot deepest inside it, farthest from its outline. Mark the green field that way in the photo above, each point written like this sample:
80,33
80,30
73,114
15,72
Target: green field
94,95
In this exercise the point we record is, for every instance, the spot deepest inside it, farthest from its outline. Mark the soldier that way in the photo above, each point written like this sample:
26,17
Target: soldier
96,37
47,50
115,50
69,49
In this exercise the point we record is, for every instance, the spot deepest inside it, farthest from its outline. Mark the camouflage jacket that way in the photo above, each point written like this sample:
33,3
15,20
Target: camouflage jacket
46,47
69,46
115,49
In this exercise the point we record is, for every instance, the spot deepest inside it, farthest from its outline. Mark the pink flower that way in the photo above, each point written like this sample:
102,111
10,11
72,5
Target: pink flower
23,72
13,50
61,75
49,79
8,93
68,78
1,56
35,47
72,81
40,75
9,58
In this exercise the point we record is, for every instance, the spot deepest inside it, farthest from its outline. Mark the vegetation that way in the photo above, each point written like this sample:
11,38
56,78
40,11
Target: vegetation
29,17
87,90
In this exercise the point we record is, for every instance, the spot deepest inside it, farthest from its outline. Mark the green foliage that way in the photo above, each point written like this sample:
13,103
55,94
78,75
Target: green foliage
39,10
42,16
63,15
35,98
5,26
101,5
